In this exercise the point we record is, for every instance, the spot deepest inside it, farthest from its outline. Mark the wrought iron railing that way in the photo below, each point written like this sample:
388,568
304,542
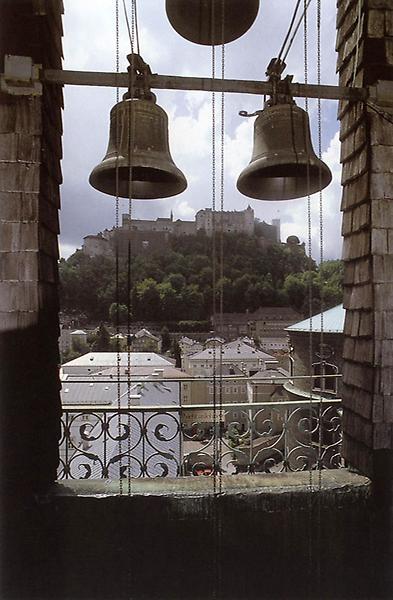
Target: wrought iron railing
152,441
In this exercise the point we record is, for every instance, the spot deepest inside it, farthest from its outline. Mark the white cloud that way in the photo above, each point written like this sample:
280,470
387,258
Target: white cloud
184,211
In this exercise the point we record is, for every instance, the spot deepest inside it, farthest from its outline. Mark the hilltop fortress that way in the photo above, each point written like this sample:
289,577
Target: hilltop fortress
149,236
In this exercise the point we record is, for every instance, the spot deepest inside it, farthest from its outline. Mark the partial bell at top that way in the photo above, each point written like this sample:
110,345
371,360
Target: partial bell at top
283,163
138,163
210,22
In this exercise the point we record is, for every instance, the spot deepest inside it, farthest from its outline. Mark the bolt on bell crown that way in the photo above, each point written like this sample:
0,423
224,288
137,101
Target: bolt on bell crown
283,165
138,163
210,22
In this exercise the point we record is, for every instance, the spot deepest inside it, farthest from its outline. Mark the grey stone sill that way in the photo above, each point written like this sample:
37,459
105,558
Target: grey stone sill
333,482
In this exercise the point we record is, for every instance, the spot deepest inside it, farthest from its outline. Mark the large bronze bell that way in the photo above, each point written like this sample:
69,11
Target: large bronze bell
138,163
283,163
210,22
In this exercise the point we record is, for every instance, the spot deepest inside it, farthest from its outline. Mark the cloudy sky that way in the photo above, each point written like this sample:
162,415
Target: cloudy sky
90,44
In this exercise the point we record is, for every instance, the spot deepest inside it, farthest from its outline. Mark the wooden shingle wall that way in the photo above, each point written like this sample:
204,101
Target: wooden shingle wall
365,55
30,175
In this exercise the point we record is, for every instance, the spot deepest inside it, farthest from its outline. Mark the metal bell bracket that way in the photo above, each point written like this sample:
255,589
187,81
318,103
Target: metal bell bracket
20,77
139,85
281,93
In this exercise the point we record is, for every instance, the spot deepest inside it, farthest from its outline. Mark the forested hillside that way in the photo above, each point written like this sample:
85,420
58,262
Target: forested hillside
177,283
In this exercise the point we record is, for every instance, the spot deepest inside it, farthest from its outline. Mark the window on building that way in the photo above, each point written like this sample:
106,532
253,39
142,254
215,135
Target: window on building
323,383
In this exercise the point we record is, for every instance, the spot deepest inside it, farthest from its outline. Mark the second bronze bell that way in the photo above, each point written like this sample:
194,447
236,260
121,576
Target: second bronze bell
283,165
138,163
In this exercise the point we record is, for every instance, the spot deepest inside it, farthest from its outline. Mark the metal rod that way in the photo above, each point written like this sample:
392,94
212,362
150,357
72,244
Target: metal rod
143,379
92,408
175,82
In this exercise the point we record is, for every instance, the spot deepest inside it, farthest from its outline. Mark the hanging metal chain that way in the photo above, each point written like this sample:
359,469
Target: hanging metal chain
134,28
310,310
322,307
309,245
321,243
119,424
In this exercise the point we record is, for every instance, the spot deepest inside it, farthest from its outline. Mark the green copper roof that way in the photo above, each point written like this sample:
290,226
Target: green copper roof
333,321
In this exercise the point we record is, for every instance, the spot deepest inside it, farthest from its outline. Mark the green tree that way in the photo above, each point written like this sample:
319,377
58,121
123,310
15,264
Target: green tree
103,340
165,339
118,313
149,302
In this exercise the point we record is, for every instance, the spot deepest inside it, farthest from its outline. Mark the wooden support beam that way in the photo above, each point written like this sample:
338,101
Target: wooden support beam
174,82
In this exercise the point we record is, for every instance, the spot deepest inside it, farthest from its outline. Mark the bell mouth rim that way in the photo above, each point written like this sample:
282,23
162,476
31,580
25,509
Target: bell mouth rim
275,189
167,183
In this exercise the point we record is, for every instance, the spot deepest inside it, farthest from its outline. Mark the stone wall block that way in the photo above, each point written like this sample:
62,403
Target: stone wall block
389,50
364,351
383,295
17,320
385,380
17,237
18,146
18,266
18,206
383,4
377,411
358,428
346,225
358,245
48,271
376,24
19,177
48,242
377,358
361,217
349,273
357,166
353,117
382,158
18,296
357,455
28,115
382,213
383,325
387,353
381,186
388,408
389,23
390,241
353,143
358,297
48,297
383,268
49,216
379,241
349,348
381,132
363,271
355,192
366,327
358,401
382,436
348,22
359,376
